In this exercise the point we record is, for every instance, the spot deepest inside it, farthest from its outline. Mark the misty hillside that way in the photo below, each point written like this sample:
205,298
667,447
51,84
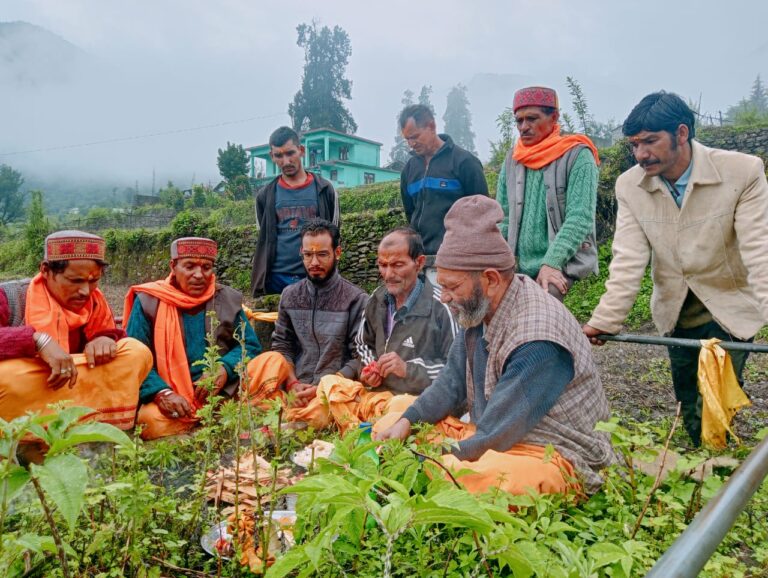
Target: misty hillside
38,68
31,56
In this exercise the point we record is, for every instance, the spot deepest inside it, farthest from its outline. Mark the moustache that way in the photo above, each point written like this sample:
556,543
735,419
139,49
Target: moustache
648,163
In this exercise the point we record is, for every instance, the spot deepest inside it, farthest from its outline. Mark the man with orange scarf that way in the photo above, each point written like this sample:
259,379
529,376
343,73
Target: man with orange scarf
57,330
170,316
548,191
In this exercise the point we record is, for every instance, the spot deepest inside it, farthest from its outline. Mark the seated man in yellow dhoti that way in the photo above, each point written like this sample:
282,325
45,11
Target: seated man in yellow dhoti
170,317
318,316
406,331
520,364
57,330
402,340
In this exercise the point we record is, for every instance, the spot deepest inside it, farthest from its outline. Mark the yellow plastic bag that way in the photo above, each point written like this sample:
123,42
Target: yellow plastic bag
720,392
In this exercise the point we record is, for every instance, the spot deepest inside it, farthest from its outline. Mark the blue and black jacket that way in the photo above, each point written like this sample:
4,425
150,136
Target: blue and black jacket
430,189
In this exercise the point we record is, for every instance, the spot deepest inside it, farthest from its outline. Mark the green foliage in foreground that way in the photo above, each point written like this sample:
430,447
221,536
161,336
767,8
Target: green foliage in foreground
139,510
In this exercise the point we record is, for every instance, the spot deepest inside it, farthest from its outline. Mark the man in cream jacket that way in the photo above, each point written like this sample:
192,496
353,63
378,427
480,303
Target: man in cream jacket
700,215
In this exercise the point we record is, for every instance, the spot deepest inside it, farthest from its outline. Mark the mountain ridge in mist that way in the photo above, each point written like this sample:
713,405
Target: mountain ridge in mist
31,56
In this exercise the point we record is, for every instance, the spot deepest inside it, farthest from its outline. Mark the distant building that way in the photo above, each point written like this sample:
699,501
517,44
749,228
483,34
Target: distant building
143,200
344,159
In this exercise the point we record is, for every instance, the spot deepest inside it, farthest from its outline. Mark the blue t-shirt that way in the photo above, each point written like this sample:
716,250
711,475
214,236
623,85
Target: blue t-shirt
294,207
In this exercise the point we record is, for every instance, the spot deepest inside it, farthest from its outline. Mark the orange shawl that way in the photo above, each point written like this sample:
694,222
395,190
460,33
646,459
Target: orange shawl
45,314
170,353
551,148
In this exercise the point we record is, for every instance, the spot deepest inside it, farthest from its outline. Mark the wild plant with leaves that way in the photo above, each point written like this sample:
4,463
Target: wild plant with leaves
425,526
138,509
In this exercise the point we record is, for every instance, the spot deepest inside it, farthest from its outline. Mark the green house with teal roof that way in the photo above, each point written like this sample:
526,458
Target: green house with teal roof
344,159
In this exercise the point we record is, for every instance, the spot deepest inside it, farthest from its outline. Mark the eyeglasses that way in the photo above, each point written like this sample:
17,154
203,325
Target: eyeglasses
321,255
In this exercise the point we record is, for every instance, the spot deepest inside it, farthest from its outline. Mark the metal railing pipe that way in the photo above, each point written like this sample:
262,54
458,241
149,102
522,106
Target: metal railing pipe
690,552
680,342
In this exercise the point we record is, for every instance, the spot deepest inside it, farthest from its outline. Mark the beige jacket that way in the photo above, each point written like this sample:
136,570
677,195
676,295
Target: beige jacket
716,244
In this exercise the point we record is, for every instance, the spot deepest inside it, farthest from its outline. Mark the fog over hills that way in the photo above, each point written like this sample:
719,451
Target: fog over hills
33,57
70,121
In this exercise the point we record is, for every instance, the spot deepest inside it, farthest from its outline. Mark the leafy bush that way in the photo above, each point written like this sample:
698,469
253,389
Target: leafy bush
14,261
187,224
233,213
139,510
370,198
613,161
583,297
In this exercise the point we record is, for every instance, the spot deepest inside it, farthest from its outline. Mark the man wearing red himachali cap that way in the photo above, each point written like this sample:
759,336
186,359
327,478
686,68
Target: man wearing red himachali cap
57,330
170,316
548,191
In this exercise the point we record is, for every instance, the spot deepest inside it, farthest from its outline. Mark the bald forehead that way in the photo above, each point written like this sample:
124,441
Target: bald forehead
394,240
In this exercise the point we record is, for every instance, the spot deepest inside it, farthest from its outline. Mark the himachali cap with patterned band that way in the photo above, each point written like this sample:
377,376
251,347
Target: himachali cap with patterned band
535,96
67,245
194,247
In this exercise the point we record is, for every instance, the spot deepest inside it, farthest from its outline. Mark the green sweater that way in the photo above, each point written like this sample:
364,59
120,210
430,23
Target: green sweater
533,248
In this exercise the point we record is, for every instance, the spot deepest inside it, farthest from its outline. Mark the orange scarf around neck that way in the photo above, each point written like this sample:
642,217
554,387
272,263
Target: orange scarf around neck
45,314
550,149
170,352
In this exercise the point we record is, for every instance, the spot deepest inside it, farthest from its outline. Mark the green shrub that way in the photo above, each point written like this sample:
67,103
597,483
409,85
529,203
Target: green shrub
233,213
583,297
14,261
370,197
492,178
187,224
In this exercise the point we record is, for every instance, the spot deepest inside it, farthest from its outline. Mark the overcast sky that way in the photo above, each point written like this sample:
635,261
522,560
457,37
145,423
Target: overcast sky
159,66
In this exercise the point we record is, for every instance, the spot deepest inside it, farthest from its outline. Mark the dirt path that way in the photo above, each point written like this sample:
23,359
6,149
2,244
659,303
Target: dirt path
637,380
638,384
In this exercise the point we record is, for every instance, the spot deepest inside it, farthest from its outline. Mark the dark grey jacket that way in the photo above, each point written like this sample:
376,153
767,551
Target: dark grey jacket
266,218
422,338
316,326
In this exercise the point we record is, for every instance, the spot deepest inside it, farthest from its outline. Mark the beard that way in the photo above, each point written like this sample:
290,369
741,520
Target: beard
321,279
472,311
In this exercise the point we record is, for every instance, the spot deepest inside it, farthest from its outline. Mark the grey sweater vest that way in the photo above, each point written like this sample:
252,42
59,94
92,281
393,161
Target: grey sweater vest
556,174
527,314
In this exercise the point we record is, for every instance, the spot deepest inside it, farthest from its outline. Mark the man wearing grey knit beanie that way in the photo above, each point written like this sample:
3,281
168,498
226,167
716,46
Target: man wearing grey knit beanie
521,365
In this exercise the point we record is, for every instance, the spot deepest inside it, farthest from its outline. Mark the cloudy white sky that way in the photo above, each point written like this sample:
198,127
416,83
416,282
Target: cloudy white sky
165,65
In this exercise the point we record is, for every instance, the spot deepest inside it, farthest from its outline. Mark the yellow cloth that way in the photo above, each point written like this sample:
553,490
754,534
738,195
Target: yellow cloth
265,316
518,470
720,392
266,372
342,402
112,389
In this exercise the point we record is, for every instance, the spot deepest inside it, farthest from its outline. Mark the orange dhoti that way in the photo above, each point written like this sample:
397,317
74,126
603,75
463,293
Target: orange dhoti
266,372
111,389
341,402
519,470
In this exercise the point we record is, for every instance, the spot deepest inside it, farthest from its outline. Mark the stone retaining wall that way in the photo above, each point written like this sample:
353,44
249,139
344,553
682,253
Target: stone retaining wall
141,256
746,140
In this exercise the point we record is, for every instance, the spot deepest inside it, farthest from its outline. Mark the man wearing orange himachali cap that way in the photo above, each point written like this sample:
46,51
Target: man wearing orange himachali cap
171,317
57,330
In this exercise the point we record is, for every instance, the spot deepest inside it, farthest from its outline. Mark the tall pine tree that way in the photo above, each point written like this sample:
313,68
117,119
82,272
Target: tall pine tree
758,98
11,196
425,97
457,119
400,152
323,85
753,110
